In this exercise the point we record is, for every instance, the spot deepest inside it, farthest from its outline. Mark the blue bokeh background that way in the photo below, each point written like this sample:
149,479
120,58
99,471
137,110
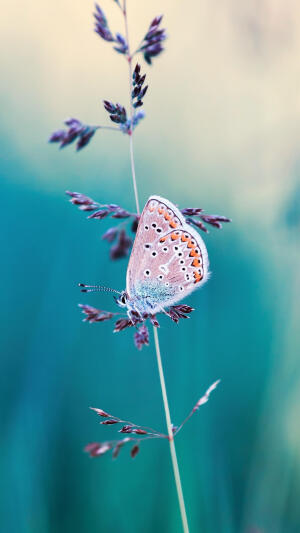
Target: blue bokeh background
222,133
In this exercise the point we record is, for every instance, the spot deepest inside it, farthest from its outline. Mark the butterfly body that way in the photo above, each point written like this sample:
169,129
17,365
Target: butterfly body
168,260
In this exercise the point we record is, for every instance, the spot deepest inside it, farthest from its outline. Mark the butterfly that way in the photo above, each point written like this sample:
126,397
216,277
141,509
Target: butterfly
168,260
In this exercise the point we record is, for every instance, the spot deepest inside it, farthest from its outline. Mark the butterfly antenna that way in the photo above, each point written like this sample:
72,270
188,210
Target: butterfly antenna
96,288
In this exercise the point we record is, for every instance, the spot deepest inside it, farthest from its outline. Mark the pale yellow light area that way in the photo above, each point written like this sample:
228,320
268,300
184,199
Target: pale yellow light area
224,97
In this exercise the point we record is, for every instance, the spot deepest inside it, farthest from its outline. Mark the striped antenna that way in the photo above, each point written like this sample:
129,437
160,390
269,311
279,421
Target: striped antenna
96,288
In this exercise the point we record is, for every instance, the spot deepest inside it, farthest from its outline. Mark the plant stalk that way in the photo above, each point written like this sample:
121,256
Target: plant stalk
155,332
170,434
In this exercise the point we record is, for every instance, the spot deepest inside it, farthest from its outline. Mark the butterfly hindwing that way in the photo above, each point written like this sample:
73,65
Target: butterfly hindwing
169,258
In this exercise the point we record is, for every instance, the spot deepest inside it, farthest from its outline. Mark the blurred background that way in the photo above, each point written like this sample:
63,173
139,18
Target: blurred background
222,133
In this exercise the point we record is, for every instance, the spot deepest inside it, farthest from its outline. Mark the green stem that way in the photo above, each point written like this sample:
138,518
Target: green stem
156,340
129,58
171,436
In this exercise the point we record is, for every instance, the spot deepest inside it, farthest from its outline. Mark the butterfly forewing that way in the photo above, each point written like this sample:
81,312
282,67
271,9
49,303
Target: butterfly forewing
169,258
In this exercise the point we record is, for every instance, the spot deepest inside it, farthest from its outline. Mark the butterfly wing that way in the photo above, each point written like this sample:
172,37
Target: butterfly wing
168,260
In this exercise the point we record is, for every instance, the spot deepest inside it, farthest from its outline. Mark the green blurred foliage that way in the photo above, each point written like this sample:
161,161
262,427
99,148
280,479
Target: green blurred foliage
239,455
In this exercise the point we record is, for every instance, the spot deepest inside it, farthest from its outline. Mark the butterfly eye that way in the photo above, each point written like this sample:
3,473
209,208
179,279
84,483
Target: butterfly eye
123,299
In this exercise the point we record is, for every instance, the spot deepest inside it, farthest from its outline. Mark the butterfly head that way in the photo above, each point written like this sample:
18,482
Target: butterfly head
122,299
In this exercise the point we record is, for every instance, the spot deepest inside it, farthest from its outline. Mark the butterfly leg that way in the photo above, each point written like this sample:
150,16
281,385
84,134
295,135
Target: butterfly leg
135,316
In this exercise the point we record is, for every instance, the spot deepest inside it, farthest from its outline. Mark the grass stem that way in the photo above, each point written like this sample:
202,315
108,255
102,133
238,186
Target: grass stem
156,339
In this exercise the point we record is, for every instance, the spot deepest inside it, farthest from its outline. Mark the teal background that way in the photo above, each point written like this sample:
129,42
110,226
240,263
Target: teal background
222,133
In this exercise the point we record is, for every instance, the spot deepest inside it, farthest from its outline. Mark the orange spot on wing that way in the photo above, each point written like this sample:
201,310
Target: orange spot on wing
173,224
167,216
193,253
198,277
151,209
196,263
174,236
163,239
190,245
184,239
161,210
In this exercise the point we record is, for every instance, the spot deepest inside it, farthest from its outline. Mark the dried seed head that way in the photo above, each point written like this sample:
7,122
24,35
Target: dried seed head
121,213
138,92
98,448
100,214
101,26
139,431
176,312
141,337
110,234
94,449
94,315
122,323
110,422
137,117
134,451
80,199
126,429
191,211
100,412
213,220
76,130
198,224
122,47
152,43
205,397
117,448
122,247
154,321
135,223
117,112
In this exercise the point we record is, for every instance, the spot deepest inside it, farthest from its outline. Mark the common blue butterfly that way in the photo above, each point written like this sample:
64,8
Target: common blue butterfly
168,261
